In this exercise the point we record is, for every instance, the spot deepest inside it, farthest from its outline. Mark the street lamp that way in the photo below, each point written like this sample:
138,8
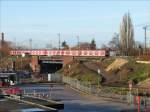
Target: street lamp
99,72
22,56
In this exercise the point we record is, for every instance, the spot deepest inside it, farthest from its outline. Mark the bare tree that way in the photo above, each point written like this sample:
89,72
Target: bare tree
114,42
139,48
4,50
104,46
126,35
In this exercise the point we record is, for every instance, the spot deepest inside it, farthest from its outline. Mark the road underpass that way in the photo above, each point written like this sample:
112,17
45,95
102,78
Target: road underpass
48,66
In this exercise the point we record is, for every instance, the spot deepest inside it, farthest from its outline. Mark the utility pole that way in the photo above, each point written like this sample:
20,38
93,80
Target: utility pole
78,42
15,43
59,40
145,45
30,43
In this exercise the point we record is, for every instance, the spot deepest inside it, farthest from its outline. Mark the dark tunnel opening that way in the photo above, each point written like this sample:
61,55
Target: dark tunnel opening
49,67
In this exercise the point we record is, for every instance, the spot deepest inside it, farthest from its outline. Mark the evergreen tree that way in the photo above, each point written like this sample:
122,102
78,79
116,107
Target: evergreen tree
64,45
93,44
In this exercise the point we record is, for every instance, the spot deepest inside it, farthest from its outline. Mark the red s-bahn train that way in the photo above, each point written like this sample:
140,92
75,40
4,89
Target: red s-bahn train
94,53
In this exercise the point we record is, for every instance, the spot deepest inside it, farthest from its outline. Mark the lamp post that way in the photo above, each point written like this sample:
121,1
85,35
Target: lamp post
69,69
99,72
22,56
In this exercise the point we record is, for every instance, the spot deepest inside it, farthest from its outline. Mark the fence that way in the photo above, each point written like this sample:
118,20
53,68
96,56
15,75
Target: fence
142,103
114,93
118,93
84,87
92,89
41,92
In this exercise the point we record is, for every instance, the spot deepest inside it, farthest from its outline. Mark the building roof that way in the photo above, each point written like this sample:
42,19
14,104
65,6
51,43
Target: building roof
6,74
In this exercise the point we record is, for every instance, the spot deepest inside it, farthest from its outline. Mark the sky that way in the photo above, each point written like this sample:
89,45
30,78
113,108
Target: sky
42,20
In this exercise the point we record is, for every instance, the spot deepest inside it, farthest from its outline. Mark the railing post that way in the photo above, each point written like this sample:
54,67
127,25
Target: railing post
139,103
23,92
145,108
34,92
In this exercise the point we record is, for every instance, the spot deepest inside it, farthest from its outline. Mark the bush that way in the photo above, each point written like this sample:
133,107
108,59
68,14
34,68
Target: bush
140,76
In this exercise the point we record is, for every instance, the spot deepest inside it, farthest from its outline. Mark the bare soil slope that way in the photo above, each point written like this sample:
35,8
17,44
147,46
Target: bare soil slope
116,64
145,83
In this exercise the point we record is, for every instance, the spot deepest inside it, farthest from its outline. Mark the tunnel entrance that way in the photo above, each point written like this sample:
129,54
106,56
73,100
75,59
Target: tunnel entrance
49,66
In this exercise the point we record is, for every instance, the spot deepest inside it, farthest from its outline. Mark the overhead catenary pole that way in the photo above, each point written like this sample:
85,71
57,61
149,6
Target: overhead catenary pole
58,40
30,43
78,42
15,43
145,45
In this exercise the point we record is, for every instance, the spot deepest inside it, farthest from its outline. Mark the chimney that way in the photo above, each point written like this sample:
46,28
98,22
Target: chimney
2,34
2,39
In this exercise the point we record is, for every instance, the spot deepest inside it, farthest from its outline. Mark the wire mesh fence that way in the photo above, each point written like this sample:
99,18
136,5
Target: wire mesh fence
84,87
122,94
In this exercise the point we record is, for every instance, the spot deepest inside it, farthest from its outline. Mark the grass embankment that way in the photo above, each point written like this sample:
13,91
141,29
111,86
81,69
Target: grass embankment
121,75
84,71
131,70
139,71
80,72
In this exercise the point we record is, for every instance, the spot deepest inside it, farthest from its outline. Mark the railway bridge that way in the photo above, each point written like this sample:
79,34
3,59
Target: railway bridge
49,61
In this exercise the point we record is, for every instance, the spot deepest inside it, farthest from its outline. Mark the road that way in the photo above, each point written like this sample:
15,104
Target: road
73,101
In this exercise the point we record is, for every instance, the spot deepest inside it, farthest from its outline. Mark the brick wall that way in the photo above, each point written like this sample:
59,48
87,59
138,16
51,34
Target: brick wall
34,63
67,59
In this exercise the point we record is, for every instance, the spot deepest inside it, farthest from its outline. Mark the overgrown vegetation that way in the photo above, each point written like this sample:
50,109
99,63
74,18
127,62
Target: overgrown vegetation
139,71
80,72
87,71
